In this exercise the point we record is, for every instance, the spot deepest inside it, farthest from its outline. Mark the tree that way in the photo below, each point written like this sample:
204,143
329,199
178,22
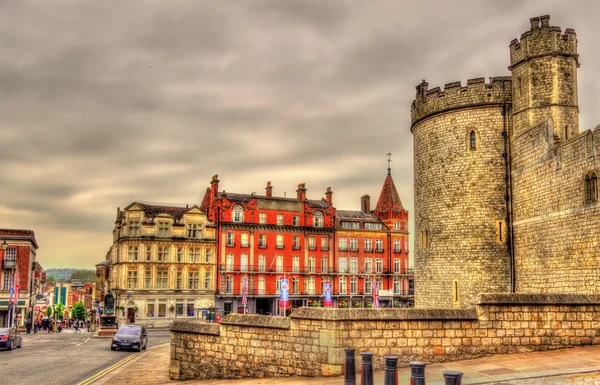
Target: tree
79,311
49,311
50,279
84,276
60,309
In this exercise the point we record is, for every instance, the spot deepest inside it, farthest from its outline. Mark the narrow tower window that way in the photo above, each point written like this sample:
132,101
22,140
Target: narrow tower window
455,300
566,132
473,141
594,187
588,189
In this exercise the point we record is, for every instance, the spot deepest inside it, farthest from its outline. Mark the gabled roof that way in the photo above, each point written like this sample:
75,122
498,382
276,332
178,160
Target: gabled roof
389,198
154,210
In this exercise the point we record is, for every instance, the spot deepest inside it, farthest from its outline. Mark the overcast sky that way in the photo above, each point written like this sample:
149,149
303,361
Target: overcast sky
106,102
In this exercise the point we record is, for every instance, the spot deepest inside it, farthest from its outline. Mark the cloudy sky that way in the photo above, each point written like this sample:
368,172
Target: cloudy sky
107,102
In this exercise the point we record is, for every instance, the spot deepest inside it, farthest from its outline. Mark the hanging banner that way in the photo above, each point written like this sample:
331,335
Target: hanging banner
375,294
245,290
328,300
284,300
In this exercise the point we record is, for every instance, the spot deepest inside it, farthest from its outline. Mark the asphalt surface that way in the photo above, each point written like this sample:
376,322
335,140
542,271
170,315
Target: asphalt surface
62,358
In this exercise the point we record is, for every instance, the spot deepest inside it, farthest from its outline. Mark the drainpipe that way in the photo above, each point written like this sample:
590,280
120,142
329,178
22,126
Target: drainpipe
508,193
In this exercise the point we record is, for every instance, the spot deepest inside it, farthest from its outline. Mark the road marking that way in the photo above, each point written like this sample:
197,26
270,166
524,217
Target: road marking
103,373
109,369
81,343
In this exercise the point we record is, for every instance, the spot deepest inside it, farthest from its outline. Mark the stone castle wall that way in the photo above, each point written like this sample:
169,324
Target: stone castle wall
459,192
311,342
557,234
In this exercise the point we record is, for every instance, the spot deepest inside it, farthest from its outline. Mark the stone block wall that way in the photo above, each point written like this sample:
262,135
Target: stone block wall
557,233
311,341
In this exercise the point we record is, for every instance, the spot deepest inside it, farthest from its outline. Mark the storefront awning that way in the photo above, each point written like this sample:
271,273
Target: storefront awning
4,303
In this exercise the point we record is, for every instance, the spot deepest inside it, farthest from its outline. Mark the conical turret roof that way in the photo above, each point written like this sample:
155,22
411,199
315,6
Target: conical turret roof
389,198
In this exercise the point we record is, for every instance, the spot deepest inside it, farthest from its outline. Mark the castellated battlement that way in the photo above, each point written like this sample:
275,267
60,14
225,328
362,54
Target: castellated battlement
541,40
477,92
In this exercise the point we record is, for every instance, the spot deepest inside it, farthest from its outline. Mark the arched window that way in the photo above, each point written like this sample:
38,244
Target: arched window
318,219
238,213
594,183
588,188
473,140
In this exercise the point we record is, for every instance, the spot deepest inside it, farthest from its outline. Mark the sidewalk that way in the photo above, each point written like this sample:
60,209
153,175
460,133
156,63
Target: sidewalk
580,365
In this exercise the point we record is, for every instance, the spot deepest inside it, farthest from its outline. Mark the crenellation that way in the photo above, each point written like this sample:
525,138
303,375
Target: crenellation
454,96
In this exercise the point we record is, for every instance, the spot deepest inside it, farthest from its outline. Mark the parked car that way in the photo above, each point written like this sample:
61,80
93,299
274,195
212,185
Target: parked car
130,337
10,339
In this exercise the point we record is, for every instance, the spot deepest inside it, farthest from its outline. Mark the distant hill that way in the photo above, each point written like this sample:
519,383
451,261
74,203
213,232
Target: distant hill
62,275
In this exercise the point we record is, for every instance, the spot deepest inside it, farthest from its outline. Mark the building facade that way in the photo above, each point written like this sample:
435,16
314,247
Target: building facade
161,265
372,246
264,238
506,191
19,253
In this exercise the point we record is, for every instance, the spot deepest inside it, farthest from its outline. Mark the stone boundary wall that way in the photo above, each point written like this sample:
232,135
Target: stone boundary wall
311,341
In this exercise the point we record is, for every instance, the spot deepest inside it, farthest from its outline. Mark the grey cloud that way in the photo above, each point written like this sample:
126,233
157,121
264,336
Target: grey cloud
103,103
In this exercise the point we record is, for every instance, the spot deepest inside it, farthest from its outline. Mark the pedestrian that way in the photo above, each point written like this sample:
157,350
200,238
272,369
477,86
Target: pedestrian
76,326
88,325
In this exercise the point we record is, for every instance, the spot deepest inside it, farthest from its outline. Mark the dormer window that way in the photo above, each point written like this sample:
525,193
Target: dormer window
134,228
318,218
194,230
163,229
238,214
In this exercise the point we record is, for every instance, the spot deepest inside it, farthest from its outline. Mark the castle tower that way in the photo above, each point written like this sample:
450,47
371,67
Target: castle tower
459,137
544,73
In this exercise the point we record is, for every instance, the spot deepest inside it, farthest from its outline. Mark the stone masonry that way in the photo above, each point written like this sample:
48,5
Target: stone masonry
311,341
527,169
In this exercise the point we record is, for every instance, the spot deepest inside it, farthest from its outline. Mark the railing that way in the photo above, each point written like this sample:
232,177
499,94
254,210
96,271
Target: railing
280,247
292,269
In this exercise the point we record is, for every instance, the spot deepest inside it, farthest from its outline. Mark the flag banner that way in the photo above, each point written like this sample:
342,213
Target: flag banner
245,290
375,294
284,300
328,300
11,289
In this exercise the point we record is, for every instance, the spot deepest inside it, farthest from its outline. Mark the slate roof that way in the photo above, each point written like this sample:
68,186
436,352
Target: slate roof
351,214
154,210
236,197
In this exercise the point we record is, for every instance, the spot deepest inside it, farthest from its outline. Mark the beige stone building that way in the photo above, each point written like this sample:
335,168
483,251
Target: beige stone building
506,185
161,265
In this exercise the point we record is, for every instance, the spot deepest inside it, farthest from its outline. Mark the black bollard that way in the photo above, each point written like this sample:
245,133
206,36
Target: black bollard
350,367
417,373
391,370
366,373
452,377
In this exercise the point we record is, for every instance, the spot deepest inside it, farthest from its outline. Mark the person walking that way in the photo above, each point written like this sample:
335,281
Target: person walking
76,326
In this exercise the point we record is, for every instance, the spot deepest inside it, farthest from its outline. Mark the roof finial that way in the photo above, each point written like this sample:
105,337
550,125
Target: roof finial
389,155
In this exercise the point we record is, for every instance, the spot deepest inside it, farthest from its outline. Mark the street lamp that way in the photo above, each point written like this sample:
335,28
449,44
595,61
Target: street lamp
4,247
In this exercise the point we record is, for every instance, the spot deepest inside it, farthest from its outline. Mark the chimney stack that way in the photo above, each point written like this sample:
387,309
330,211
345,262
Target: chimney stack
214,186
365,204
328,197
269,190
301,192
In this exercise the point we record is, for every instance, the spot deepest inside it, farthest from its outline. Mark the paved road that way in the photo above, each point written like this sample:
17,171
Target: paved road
62,358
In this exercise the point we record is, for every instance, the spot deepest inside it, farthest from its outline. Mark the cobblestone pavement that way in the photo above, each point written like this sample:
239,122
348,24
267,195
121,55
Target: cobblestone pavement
580,365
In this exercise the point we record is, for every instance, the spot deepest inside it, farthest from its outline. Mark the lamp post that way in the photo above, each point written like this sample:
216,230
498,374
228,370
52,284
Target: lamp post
4,247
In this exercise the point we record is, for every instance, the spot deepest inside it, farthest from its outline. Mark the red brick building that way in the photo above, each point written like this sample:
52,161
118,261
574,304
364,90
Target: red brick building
18,257
264,238
372,246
